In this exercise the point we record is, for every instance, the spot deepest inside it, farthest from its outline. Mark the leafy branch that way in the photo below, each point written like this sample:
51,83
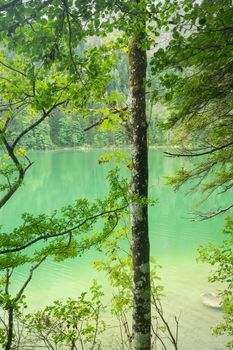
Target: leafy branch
72,222
191,153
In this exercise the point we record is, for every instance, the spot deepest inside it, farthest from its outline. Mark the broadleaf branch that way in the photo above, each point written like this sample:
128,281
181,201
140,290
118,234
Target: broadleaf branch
60,234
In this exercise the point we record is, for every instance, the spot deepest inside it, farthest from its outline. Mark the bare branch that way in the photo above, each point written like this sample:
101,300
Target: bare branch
172,338
33,268
208,215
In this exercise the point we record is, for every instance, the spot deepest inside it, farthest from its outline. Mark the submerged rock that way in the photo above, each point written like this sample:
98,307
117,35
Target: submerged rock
212,300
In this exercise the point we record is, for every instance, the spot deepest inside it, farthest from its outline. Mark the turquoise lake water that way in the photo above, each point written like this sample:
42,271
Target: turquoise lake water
58,178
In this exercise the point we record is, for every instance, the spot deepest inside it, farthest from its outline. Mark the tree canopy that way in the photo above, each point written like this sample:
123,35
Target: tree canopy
196,75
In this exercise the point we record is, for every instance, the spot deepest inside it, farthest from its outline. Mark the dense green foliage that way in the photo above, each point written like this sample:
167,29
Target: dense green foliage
221,259
69,324
196,73
63,39
67,128
67,233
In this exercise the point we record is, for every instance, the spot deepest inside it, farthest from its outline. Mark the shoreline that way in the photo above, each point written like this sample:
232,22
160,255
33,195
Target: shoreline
89,148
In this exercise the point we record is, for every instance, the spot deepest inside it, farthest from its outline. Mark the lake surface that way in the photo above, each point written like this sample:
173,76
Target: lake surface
58,178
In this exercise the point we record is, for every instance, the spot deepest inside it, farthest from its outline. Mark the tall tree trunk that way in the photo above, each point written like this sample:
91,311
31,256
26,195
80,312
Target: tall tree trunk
139,189
10,328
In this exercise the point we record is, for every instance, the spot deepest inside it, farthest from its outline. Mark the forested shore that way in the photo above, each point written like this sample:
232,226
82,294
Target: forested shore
68,131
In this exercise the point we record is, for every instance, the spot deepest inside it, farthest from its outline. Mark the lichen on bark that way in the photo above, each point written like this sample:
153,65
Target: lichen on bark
141,325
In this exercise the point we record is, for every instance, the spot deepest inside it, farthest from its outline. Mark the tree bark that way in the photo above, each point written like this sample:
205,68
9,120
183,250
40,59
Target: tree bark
10,328
141,327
